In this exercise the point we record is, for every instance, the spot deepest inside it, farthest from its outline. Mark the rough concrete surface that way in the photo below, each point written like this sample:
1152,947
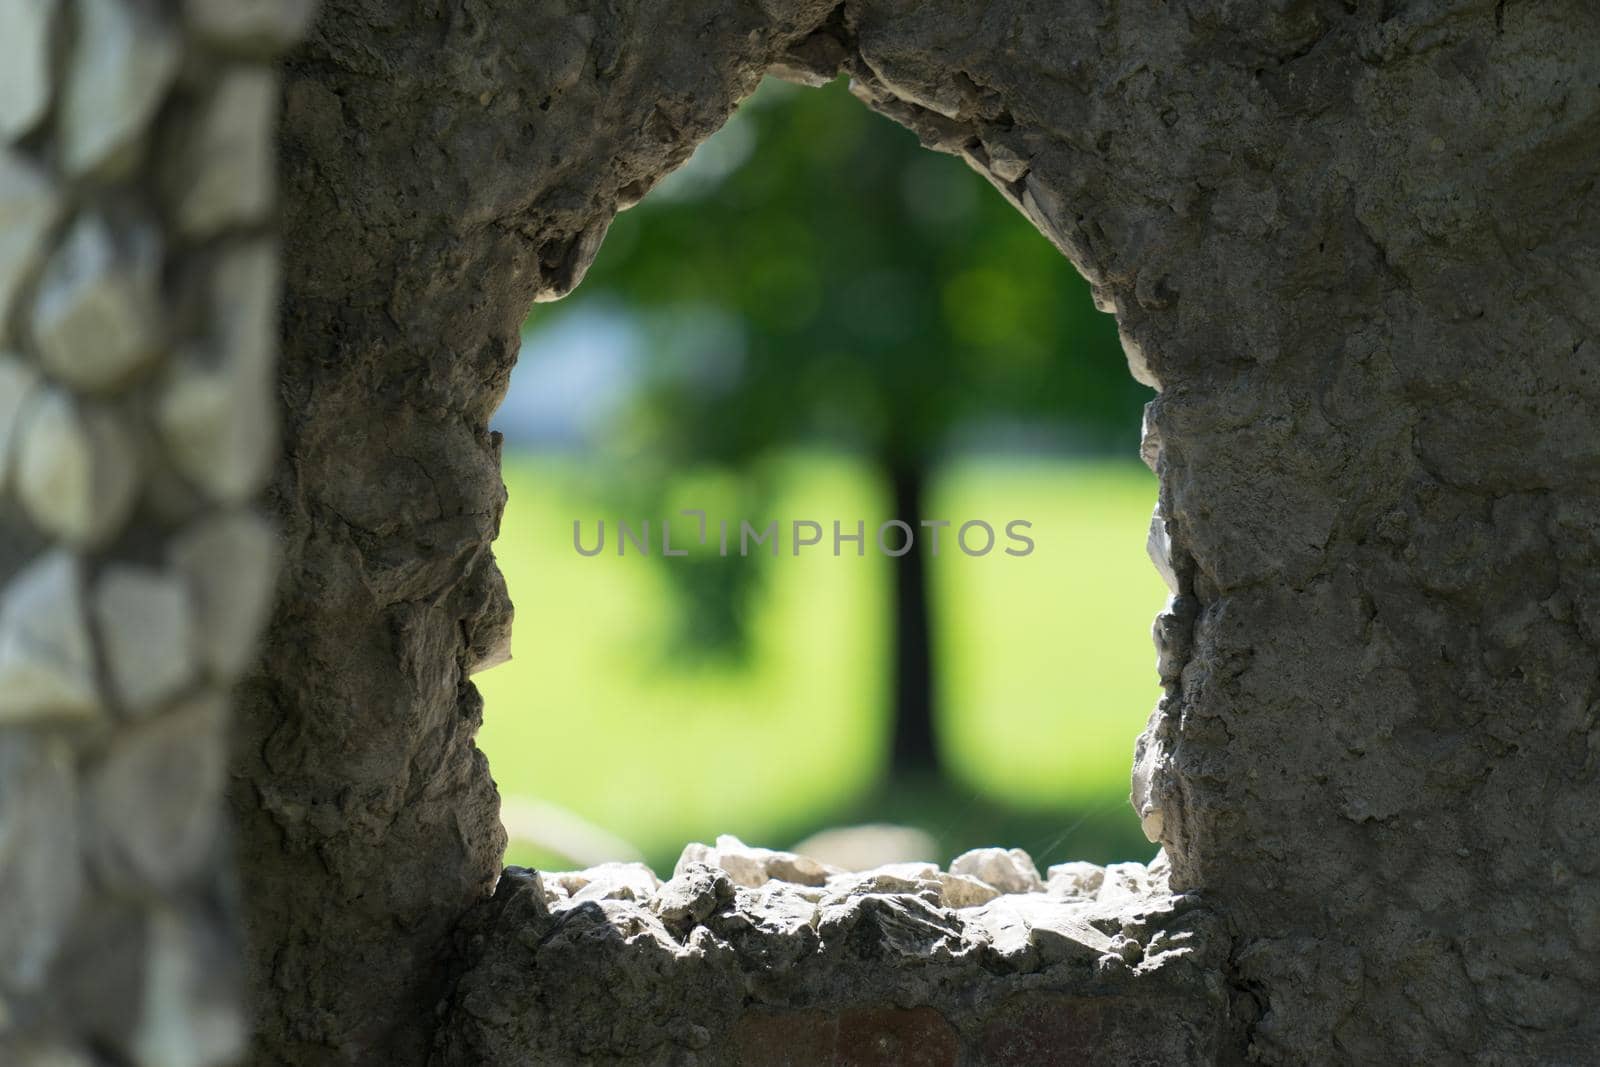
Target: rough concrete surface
746,956
1353,245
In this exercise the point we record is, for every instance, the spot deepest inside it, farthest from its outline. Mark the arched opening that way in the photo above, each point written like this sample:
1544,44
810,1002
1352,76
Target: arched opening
818,321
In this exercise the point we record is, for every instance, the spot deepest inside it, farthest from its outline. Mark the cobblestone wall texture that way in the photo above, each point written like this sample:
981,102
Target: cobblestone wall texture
139,279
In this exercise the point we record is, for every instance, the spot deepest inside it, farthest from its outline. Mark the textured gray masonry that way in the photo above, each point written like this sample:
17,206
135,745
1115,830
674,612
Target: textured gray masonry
1351,242
130,580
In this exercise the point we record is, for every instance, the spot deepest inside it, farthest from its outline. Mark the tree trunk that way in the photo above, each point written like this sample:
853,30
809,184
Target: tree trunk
915,747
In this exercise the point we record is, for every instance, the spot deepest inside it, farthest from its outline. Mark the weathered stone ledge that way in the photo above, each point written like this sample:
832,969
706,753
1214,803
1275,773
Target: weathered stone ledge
754,957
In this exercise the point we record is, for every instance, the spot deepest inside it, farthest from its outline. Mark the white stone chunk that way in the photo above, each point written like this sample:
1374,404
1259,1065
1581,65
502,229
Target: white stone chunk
908,879
219,429
186,1017
244,309
96,313
780,907
618,881
258,26
1076,879
692,894
41,874
743,864
77,471
790,867
17,383
24,64
752,867
122,61
156,799
694,852
29,205
1148,759
46,660
1021,925
1126,881
225,173
960,891
1008,870
1158,546
230,563
147,634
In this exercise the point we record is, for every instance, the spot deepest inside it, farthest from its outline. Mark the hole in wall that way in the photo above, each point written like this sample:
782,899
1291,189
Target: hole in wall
817,321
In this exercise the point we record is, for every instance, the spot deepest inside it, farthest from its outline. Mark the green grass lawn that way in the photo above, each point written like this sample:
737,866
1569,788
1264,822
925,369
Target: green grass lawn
1047,670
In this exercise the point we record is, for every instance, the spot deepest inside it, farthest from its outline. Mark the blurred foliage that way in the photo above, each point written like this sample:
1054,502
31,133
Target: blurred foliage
1047,673
814,275
859,289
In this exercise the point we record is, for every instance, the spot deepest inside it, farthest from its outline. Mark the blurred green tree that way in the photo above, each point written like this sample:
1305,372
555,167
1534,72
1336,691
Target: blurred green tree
815,275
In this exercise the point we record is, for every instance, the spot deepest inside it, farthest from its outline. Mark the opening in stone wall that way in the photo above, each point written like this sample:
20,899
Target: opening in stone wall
816,322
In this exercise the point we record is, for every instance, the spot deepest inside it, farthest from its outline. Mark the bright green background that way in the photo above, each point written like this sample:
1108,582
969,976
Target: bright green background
1046,669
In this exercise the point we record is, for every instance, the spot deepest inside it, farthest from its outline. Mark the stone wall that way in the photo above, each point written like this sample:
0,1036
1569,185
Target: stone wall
138,330
1350,242
747,956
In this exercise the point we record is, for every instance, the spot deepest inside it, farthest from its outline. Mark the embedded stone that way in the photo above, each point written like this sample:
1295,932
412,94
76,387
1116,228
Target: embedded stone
122,61
95,316
77,474
1005,163
1127,881
17,383
219,429
692,894
1027,927
1158,546
753,867
892,879
618,881
960,891
790,867
24,64
46,660
29,205
147,634
260,27
225,172
187,1017
1008,870
245,283
1149,755
230,564
777,908
156,797
902,925
41,876
744,864
1076,879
